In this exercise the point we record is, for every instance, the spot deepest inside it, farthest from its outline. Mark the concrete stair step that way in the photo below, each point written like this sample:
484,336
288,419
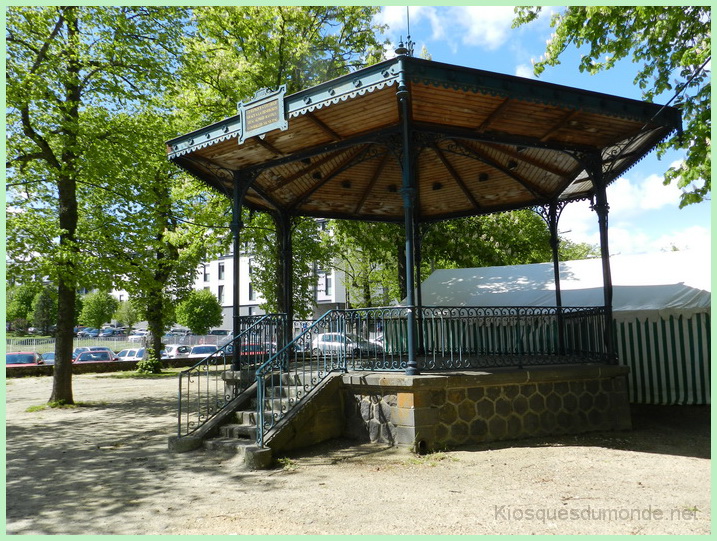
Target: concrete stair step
279,404
245,417
239,431
227,446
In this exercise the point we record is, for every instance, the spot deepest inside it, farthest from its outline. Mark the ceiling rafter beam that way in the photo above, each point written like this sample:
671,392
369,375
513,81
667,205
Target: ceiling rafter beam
266,197
456,177
305,171
559,124
324,127
373,137
526,159
493,115
476,154
337,170
268,146
450,132
374,178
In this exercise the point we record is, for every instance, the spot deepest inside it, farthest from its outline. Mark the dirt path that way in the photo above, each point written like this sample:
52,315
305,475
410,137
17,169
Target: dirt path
104,469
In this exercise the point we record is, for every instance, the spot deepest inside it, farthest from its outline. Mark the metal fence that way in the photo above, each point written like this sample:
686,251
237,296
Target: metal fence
116,343
376,339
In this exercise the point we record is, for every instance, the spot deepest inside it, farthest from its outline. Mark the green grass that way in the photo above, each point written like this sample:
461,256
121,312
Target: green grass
287,464
63,405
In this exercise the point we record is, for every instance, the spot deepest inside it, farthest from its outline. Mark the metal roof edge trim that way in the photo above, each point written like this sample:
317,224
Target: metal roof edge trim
204,137
343,88
497,84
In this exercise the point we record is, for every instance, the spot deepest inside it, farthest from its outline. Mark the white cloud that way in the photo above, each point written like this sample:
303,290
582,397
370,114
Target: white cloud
524,70
628,196
482,26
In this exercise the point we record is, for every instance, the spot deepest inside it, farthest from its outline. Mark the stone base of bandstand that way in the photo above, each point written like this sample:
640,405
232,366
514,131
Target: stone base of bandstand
434,411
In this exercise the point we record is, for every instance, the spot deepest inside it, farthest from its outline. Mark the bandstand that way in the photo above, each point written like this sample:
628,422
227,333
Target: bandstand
413,141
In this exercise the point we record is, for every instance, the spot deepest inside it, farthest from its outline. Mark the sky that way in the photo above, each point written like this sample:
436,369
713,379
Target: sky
644,214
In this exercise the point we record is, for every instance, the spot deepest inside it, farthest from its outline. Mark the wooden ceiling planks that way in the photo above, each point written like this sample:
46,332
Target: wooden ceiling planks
483,142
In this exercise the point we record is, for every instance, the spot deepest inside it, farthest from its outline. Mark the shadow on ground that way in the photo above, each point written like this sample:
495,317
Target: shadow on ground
671,430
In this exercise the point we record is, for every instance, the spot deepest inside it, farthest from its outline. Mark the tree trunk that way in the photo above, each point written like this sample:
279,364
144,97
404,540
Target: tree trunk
67,203
155,321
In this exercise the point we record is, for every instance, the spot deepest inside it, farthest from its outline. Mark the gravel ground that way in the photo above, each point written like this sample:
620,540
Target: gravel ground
104,468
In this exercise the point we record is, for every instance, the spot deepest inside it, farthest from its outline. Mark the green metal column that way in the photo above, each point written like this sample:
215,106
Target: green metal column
239,189
601,208
408,190
553,216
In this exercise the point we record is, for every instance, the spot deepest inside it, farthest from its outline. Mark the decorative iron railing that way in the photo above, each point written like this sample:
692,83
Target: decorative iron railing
298,368
447,338
208,386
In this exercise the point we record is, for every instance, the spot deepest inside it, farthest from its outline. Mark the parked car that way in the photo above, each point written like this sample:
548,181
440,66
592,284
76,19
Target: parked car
49,357
332,343
202,351
127,355
88,333
219,332
77,351
176,351
110,332
96,356
137,336
23,358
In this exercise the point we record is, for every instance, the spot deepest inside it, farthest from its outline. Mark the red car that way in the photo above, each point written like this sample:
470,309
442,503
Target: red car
23,358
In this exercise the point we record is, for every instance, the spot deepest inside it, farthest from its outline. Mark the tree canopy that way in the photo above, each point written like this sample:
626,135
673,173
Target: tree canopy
199,311
98,307
672,46
63,64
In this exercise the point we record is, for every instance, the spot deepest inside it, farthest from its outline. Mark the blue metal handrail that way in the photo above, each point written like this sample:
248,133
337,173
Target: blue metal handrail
206,393
296,369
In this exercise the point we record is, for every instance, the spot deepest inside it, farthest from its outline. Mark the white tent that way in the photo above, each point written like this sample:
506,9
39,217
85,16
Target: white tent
661,307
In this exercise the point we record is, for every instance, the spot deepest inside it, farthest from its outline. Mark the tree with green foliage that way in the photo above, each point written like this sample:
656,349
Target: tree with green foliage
18,304
126,314
44,309
372,259
155,221
62,60
238,50
199,311
98,307
672,45
312,249
369,255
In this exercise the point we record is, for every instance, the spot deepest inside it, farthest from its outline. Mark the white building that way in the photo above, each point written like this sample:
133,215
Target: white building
217,277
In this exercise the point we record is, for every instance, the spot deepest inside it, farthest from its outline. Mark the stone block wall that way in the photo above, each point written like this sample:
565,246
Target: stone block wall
434,411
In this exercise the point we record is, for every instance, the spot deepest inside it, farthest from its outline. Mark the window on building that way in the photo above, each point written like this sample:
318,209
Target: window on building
221,271
206,273
252,293
328,286
220,294
251,267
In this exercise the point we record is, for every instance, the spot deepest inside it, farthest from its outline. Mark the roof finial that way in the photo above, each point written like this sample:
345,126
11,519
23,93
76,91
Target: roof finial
408,48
